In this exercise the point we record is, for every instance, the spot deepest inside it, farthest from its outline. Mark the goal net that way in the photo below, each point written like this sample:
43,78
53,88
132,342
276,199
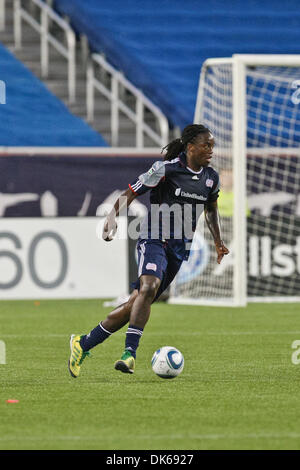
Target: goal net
252,106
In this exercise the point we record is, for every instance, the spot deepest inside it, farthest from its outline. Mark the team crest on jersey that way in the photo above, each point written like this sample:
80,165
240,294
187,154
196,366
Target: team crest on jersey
150,171
151,266
209,183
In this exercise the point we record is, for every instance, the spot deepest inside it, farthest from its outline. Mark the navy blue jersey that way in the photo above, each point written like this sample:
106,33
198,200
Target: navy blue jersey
177,197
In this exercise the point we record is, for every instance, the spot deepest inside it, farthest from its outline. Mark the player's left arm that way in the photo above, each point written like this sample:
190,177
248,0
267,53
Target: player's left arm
212,218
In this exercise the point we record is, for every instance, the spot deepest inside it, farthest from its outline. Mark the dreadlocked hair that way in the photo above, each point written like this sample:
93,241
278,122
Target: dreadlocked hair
188,136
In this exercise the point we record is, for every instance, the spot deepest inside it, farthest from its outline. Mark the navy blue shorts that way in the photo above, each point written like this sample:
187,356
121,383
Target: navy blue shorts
156,259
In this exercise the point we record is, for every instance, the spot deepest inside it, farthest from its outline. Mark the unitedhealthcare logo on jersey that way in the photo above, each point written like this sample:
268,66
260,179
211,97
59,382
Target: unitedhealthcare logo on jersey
179,192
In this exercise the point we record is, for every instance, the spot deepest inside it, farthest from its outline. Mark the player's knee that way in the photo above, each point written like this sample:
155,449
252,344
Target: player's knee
130,301
149,289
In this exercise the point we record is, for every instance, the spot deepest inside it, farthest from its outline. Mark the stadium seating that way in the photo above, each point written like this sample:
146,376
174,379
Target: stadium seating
160,46
32,116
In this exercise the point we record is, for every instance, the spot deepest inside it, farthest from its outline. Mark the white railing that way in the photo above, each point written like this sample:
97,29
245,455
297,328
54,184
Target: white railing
2,15
42,27
118,83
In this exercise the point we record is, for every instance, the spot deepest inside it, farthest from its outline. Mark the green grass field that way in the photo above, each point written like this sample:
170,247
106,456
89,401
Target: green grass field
239,388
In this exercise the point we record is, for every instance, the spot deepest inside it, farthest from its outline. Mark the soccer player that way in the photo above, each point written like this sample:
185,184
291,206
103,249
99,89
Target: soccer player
185,182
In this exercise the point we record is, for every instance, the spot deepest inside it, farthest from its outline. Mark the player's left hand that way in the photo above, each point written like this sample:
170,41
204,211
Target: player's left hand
221,251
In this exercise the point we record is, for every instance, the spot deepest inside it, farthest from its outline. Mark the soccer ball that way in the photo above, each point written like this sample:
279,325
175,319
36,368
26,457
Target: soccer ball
167,362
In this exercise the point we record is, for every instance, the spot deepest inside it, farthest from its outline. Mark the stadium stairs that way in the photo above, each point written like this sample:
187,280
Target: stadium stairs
57,79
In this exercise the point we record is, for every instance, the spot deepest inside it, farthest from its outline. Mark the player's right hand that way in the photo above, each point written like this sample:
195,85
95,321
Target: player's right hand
109,229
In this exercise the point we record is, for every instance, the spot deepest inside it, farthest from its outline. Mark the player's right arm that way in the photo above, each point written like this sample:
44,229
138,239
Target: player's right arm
141,185
110,224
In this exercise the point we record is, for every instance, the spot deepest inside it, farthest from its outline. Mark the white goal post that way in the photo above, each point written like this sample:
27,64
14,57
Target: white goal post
251,103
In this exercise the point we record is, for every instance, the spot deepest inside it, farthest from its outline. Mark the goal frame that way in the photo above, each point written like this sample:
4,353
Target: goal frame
239,63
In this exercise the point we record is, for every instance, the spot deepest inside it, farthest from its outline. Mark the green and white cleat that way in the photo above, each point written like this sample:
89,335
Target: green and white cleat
126,363
77,356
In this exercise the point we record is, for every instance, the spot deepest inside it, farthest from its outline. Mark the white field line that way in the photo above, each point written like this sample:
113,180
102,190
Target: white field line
280,435
193,333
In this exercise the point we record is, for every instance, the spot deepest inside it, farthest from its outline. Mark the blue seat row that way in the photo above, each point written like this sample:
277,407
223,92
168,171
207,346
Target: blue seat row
33,116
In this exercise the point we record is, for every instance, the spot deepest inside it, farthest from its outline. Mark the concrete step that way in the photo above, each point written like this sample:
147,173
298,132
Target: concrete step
9,23
61,86
78,109
124,124
29,35
125,139
9,19
57,61
6,37
103,108
32,54
59,74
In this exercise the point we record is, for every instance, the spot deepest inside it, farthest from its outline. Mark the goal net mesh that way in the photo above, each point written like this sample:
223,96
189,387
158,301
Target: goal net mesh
273,187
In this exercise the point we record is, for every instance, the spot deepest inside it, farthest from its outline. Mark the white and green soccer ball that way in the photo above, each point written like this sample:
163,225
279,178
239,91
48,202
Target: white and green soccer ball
167,362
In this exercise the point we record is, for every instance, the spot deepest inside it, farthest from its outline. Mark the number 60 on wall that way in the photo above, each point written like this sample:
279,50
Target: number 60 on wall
32,260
